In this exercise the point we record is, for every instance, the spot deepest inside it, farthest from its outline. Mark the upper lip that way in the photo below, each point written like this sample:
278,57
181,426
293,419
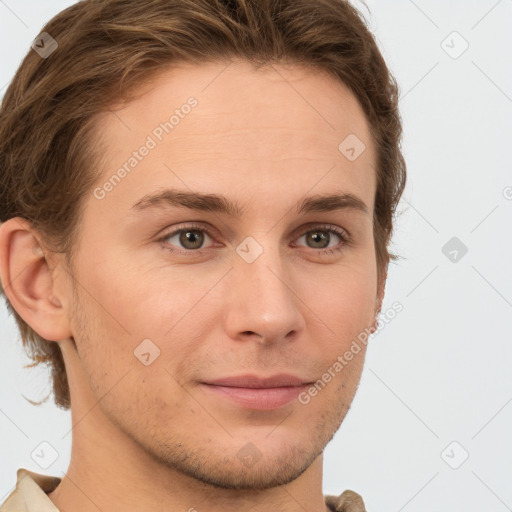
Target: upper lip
253,381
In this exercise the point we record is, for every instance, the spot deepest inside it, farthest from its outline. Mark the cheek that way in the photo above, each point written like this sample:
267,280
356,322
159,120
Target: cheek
345,308
102,327
120,296
344,294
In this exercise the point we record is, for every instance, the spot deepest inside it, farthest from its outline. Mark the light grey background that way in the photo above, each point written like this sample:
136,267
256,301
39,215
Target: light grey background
440,371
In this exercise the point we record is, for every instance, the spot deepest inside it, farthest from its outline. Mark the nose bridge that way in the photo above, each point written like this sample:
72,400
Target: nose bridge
262,298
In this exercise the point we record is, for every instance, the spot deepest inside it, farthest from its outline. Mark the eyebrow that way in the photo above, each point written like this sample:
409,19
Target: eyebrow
220,204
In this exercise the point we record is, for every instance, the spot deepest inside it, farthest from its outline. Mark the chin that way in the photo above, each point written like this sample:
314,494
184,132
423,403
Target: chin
256,475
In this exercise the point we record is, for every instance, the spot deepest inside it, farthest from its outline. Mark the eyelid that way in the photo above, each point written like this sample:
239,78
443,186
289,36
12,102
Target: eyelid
342,233
190,226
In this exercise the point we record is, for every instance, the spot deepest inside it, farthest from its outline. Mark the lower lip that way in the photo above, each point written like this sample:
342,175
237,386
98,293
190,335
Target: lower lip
261,399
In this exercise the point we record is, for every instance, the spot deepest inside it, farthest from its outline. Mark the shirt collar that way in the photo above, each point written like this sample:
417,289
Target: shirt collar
30,493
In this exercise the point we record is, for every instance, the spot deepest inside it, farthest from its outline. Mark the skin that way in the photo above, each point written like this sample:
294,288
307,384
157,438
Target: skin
150,437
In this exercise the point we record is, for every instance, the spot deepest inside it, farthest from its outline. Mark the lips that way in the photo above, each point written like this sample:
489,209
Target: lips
254,381
258,393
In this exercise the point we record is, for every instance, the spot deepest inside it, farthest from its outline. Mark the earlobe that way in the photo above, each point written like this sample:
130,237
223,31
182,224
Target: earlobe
28,282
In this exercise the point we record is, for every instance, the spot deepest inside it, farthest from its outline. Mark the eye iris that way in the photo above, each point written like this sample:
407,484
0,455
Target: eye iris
320,237
196,235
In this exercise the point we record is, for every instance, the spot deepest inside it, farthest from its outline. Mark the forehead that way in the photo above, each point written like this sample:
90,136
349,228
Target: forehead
248,130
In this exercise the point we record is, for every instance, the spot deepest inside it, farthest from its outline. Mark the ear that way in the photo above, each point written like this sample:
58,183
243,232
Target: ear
28,281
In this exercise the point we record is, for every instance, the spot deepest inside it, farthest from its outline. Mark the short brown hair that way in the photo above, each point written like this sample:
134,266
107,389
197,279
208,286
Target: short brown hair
106,48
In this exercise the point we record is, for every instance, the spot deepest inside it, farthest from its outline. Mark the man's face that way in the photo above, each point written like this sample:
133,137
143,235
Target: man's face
257,293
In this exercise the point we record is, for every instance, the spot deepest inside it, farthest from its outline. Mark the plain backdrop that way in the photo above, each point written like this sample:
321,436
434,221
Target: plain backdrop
427,428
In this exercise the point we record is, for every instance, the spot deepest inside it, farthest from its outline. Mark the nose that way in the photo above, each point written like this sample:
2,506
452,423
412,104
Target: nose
262,300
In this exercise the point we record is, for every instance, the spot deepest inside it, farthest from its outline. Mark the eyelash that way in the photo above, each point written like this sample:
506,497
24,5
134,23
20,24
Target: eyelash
341,233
